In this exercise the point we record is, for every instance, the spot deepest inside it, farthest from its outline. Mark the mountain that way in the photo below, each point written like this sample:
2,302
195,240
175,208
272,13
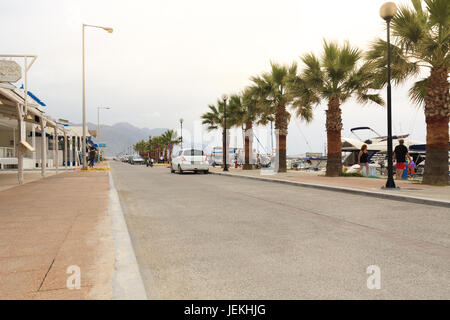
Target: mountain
120,136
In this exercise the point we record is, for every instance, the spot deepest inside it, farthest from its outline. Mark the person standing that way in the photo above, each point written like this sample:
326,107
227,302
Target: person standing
92,154
399,156
363,159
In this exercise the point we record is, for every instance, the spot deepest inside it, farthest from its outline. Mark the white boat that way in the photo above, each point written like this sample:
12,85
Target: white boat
377,148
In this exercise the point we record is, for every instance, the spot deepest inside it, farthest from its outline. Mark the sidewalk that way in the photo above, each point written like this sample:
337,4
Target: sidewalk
369,185
53,223
8,178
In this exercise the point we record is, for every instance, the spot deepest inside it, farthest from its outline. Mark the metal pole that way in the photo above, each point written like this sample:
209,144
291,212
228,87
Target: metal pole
225,164
83,151
181,135
56,147
271,137
98,133
390,181
43,148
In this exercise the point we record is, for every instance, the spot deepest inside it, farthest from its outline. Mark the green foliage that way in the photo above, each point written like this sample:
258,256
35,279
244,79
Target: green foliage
165,141
353,174
421,38
339,73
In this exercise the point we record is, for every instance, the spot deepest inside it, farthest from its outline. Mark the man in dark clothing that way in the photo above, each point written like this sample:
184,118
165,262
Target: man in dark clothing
91,156
400,154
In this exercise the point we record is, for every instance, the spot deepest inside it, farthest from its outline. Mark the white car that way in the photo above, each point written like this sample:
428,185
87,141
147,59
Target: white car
189,160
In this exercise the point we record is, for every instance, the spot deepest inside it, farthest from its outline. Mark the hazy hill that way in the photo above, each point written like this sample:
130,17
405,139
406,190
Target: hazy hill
120,136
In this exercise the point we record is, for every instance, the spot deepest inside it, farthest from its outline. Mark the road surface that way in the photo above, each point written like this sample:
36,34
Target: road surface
215,237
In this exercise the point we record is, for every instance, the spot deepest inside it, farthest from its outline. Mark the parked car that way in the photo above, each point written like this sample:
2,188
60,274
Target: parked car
136,160
189,160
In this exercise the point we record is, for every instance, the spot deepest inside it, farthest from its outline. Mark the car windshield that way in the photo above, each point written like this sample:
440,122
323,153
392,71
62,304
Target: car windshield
193,152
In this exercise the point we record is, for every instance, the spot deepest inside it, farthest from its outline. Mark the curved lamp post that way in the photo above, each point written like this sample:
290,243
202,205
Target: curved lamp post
387,12
224,146
109,30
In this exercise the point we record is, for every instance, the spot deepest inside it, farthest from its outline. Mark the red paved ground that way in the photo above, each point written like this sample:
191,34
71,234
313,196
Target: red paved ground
47,226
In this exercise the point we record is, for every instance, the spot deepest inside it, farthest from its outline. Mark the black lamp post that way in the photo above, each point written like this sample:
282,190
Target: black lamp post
181,123
387,12
224,146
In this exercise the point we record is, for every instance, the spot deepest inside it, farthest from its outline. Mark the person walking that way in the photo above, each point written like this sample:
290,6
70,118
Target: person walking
92,154
399,156
363,159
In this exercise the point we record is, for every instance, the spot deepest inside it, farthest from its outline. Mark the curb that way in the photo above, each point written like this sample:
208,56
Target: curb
380,195
126,282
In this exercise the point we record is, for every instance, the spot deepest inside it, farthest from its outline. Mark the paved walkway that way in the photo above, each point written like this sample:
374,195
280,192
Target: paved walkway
49,225
9,179
409,188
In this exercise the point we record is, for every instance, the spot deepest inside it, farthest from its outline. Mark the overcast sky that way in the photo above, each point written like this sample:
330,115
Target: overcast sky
170,58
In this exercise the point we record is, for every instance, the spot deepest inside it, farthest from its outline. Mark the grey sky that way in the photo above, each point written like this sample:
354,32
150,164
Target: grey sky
169,59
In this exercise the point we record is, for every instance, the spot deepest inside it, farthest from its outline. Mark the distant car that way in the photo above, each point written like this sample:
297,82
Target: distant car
136,160
190,160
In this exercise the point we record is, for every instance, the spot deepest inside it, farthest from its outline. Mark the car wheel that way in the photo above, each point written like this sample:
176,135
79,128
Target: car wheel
205,171
171,169
180,171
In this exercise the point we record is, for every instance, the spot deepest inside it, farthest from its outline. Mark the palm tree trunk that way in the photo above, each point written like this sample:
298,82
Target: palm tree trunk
281,125
437,113
334,128
248,145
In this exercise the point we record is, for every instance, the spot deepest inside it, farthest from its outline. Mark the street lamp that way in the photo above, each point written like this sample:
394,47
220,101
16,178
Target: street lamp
98,126
387,12
224,145
181,124
109,30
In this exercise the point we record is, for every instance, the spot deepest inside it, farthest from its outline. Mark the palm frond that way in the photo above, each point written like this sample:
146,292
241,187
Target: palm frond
418,91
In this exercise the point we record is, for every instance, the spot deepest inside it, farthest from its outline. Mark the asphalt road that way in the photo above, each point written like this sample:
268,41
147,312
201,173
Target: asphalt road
214,237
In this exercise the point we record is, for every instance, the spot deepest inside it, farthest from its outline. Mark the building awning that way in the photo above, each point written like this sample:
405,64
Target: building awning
32,96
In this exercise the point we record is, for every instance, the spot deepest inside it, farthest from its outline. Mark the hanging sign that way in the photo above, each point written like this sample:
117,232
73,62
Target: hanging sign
10,71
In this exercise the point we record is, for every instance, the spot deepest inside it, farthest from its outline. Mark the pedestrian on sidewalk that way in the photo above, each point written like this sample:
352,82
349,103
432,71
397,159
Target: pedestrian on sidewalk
92,154
399,156
363,159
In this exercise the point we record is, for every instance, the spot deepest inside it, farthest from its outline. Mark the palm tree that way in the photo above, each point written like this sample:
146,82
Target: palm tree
171,139
273,98
140,147
214,118
334,77
246,114
157,145
421,41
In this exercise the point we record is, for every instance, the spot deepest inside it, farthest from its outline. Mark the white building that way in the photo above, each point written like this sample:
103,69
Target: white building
22,142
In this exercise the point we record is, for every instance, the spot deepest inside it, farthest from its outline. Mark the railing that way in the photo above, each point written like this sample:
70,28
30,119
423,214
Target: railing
6,152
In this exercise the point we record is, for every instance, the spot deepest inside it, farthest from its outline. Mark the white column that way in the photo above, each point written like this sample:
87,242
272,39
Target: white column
43,147
65,150
19,148
70,158
77,149
33,141
55,148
